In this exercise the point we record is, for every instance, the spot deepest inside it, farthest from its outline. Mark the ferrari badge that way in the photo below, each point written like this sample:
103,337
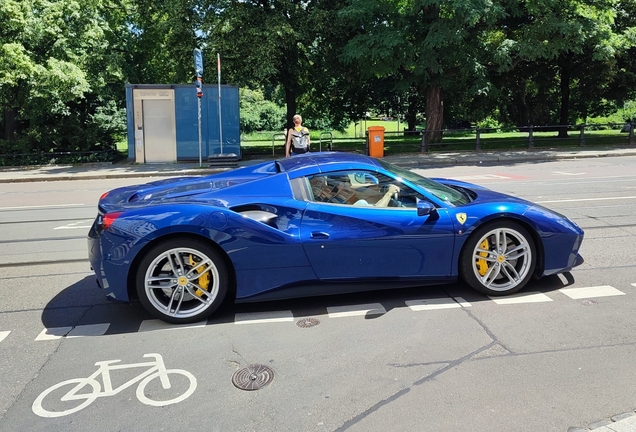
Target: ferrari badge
461,217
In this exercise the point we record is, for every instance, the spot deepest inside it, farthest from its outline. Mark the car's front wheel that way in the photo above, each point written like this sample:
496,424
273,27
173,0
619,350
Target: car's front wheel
498,258
181,281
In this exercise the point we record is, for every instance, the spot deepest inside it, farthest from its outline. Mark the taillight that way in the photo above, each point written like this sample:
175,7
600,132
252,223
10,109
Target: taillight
104,195
109,218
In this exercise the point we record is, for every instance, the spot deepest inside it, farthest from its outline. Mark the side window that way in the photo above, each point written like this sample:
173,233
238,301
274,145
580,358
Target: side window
360,188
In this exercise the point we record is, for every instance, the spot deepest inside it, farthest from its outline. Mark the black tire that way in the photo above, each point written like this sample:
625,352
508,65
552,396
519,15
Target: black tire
508,264
181,281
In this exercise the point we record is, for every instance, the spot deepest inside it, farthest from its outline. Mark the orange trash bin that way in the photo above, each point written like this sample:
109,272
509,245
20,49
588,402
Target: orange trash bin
376,141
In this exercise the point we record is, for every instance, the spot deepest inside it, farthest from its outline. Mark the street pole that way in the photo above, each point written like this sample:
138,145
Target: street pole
218,67
198,69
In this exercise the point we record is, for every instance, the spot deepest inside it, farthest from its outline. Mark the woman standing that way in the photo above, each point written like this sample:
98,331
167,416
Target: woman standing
297,138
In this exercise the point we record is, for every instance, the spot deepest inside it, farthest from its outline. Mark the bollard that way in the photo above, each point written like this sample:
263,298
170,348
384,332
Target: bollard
582,137
423,148
478,140
631,133
531,137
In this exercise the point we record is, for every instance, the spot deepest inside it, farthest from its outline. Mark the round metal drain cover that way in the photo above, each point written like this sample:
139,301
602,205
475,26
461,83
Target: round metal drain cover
307,322
588,302
252,377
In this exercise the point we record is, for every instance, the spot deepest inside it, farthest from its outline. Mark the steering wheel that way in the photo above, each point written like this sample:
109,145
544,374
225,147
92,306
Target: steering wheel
385,188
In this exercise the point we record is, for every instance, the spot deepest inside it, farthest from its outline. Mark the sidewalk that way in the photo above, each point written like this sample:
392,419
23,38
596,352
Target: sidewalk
409,160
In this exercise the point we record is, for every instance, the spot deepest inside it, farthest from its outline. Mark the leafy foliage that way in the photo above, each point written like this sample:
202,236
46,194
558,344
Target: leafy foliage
64,63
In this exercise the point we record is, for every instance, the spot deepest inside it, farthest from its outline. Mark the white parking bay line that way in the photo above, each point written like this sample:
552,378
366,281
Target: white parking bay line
88,330
355,310
4,334
263,317
590,292
531,297
53,333
153,325
436,303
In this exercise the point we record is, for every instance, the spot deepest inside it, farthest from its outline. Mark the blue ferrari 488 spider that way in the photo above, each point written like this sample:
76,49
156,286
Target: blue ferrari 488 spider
319,223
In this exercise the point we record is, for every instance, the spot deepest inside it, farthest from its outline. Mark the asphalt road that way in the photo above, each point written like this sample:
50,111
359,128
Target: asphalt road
560,354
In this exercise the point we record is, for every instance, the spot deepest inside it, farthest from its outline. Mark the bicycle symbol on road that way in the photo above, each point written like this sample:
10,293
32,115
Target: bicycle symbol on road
81,391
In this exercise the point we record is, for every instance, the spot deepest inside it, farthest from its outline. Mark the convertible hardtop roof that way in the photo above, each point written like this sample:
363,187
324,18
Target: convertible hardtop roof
327,161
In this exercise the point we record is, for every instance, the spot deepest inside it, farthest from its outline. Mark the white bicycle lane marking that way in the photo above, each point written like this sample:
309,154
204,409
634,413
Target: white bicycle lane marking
87,390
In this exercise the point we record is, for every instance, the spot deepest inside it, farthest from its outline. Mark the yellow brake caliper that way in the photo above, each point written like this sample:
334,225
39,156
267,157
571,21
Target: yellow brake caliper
203,281
482,265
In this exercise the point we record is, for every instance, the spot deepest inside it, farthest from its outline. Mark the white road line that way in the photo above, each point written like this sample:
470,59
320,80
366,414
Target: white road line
585,199
154,325
3,335
88,330
634,284
41,207
481,177
436,303
568,173
531,297
74,225
462,302
53,333
263,317
590,292
355,310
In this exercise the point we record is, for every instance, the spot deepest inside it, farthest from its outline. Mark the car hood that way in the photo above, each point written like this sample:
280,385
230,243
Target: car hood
480,194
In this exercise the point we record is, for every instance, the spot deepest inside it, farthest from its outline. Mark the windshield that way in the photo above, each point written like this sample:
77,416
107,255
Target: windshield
445,193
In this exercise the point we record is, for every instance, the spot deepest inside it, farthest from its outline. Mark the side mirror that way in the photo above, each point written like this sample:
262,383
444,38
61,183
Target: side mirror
425,208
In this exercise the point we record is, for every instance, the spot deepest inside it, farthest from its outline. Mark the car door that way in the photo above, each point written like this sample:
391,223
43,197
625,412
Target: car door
350,241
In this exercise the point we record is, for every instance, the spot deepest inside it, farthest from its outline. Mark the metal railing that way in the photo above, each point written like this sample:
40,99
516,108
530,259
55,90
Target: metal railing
537,136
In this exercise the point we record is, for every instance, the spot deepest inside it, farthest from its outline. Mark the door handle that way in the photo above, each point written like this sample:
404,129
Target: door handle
319,235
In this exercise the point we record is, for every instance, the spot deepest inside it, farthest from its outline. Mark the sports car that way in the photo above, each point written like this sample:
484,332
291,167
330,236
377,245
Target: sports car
314,224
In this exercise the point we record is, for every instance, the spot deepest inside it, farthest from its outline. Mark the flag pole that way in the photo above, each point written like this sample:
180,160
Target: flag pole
218,67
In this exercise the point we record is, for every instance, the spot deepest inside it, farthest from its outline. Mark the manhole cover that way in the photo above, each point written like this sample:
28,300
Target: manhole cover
588,302
252,377
307,322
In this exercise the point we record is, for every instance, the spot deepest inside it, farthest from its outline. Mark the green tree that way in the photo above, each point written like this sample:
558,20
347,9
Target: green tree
570,40
425,46
264,43
52,54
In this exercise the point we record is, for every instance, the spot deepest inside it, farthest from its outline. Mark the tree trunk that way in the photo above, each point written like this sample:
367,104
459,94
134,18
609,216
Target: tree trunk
290,102
564,73
523,113
434,114
10,124
411,114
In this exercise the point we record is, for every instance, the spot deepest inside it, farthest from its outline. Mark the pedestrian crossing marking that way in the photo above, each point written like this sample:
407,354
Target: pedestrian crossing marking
436,303
3,335
355,310
263,317
531,297
53,333
590,292
88,330
154,325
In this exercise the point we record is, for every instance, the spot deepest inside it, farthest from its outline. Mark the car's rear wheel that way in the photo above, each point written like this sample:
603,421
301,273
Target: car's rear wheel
498,258
181,281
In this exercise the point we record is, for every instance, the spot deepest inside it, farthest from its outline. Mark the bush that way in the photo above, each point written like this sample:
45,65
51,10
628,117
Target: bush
258,114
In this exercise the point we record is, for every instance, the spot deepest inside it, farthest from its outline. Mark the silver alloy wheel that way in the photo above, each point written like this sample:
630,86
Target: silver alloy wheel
502,259
181,282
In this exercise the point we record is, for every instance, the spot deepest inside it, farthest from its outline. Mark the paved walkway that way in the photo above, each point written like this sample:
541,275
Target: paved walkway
411,160
625,422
